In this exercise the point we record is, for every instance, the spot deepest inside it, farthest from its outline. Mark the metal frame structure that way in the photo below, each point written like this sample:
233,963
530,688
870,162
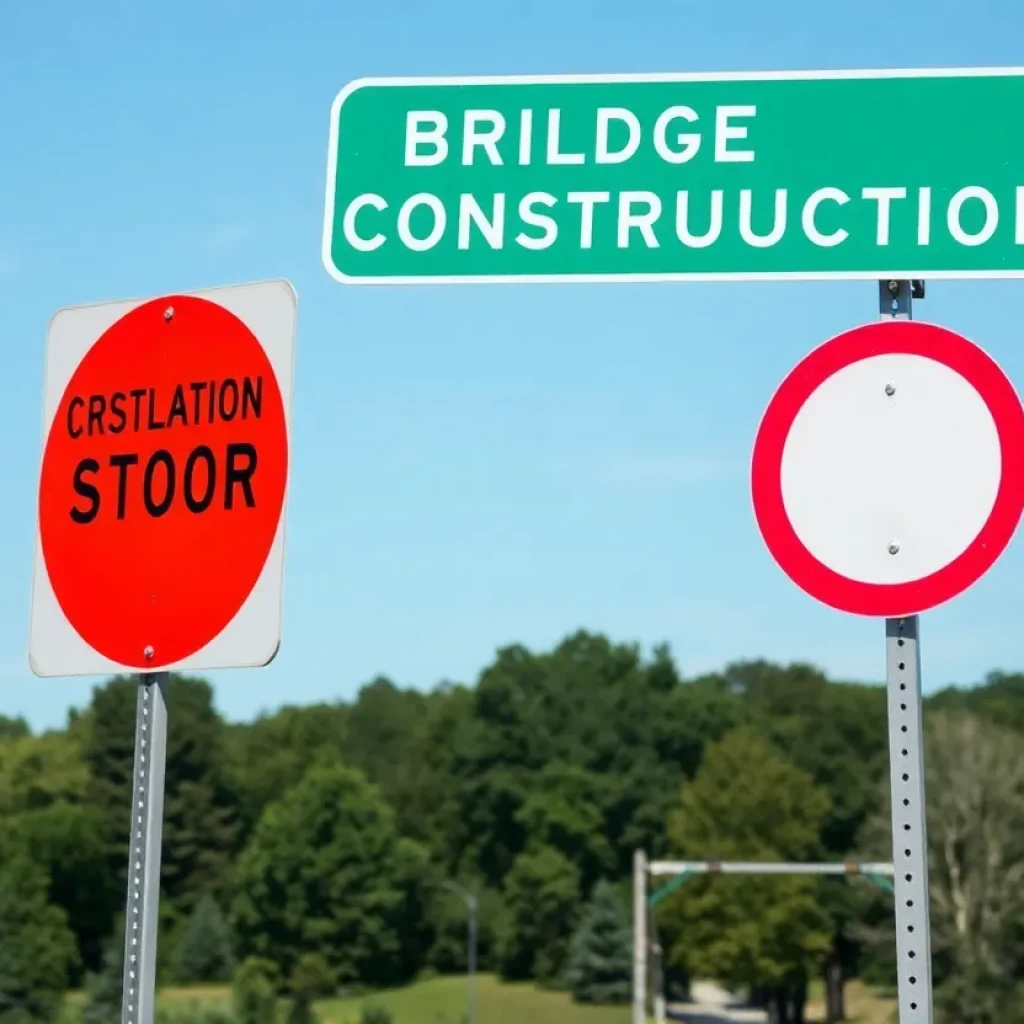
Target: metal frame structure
645,933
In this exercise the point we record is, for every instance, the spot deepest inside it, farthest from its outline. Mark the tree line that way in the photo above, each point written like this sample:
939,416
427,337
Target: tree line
316,839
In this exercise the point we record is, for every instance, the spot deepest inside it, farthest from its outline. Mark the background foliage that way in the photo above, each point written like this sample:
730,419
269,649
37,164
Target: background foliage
309,846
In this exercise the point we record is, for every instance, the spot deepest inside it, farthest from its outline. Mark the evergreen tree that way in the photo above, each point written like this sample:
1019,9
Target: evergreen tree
254,991
600,955
541,894
37,949
203,951
103,988
200,812
311,979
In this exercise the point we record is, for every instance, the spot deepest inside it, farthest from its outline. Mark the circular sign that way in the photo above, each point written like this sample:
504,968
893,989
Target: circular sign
163,481
886,470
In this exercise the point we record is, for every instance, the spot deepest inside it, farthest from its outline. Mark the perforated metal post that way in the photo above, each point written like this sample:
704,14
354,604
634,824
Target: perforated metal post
639,937
906,770
657,968
143,904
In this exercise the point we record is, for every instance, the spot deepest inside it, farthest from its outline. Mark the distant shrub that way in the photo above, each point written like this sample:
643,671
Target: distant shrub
600,955
313,978
203,952
375,1015
194,1013
254,992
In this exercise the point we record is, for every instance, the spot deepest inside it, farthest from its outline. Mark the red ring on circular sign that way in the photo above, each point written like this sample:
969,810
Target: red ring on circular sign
884,338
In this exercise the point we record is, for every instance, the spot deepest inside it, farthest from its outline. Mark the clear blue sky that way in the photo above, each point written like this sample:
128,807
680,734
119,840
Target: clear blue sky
472,466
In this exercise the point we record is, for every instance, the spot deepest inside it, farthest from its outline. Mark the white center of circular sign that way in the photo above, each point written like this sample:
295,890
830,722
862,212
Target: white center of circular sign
889,488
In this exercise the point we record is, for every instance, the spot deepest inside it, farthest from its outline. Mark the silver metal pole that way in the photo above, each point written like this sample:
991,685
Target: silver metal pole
906,772
657,968
639,937
473,909
736,867
143,904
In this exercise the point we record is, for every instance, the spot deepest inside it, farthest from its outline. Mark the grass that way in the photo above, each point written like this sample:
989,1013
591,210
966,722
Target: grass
863,1005
443,1001
438,1001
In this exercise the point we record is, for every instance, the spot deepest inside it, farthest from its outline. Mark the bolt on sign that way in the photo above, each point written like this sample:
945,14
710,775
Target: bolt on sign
161,503
739,176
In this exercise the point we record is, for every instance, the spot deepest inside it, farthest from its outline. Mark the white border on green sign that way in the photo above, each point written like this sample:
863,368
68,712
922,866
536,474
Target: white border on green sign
694,76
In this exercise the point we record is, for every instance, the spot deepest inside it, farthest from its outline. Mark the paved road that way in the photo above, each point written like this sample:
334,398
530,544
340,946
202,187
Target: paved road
711,1004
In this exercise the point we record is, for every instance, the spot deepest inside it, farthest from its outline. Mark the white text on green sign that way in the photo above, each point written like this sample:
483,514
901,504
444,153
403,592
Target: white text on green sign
805,175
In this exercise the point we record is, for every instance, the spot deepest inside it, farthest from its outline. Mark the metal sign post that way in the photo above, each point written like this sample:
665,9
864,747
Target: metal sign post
639,937
906,771
883,484
101,608
142,912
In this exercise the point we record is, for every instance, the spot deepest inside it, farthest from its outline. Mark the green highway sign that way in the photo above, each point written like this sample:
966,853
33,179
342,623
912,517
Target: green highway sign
849,174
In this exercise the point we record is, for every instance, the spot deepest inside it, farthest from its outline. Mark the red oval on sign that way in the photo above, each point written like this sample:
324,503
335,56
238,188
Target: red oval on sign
163,481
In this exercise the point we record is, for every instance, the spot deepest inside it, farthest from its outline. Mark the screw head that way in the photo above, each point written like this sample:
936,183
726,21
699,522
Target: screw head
894,547
169,314
890,390
148,652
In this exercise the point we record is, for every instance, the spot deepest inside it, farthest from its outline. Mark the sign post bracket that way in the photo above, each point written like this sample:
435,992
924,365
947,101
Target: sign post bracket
906,768
142,912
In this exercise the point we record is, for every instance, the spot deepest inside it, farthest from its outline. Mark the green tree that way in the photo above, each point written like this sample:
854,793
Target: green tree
974,773
200,812
103,988
631,726
13,728
542,900
448,917
254,991
36,771
385,735
748,803
311,979
43,785
999,699
66,841
37,949
325,871
836,732
201,823
566,811
203,951
600,955
269,756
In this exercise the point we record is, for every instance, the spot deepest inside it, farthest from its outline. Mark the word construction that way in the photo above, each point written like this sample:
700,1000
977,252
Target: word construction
675,176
